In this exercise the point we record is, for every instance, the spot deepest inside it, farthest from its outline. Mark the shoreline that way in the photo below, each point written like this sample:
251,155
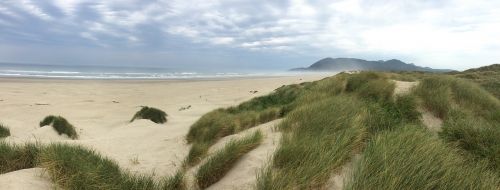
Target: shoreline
142,80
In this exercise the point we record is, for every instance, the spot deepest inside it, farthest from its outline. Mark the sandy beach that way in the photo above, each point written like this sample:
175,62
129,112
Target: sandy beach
101,110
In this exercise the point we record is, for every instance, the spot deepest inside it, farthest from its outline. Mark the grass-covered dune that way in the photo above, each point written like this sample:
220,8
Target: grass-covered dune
488,77
329,121
76,167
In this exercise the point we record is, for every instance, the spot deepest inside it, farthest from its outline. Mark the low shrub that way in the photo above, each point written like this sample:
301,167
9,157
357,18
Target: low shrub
154,114
61,125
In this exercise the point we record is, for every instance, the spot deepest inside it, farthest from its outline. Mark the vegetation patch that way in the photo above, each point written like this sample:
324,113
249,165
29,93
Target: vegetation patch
223,122
318,139
154,114
488,77
61,125
175,182
412,158
16,157
223,160
478,137
4,131
75,167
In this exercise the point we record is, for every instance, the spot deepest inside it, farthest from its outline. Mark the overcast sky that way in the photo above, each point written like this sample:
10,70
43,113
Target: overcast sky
253,34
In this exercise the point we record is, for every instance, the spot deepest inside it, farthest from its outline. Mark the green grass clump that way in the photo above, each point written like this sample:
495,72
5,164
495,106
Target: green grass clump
221,162
436,94
196,153
175,182
407,107
318,139
440,92
75,167
16,157
154,114
472,97
4,131
61,125
478,137
412,158
355,81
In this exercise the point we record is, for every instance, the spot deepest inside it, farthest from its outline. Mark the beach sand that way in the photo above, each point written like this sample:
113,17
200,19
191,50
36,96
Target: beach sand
101,110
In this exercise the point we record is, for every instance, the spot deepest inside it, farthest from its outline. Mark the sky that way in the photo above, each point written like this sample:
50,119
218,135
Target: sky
249,34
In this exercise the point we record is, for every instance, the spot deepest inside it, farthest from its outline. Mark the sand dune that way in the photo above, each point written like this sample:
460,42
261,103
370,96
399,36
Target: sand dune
101,110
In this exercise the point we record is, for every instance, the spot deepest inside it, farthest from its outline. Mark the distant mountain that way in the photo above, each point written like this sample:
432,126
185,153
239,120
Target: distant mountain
350,64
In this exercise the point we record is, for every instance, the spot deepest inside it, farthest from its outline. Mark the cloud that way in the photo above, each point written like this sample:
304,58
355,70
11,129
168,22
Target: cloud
34,10
413,30
222,40
68,7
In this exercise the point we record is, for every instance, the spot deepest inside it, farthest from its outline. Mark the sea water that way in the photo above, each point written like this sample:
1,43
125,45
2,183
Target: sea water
112,72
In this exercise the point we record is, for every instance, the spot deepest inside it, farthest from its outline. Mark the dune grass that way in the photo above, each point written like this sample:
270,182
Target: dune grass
479,138
154,114
488,77
61,125
4,131
76,167
318,139
440,92
412,158
175,182
436,94
16,157
223,122
471,117
223,160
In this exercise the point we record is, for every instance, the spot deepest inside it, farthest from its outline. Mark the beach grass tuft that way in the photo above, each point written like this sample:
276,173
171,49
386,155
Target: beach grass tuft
61,125
175,182
76,167
154,114
412,158
4,131
223,160
16,157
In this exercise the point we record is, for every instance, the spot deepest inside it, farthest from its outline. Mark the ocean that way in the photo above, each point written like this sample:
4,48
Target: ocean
114,72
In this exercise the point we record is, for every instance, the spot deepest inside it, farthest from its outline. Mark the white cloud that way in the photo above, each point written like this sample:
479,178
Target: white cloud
222,40
8,12
34,10
68,7
183,31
